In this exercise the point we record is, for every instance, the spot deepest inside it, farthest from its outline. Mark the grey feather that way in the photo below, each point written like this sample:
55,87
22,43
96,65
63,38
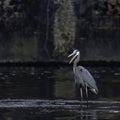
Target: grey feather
82,75
88,79
78,77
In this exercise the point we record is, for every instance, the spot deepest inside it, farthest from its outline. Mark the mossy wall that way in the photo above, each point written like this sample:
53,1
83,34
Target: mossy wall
48,30
64,27
98,30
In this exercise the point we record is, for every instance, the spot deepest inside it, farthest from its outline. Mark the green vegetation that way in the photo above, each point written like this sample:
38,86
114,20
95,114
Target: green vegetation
64,27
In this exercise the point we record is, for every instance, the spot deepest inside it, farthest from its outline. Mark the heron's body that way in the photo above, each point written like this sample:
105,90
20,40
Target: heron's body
83,78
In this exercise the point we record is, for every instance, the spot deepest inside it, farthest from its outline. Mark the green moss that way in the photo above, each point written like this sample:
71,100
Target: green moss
64,27
6,3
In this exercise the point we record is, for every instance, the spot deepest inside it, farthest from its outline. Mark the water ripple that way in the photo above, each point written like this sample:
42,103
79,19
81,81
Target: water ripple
69,104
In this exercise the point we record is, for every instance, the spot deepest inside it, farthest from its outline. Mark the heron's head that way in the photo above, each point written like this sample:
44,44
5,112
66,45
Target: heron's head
73,55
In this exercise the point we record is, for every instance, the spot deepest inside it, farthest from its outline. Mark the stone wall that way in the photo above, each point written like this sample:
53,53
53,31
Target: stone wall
47,30
98,30
64,27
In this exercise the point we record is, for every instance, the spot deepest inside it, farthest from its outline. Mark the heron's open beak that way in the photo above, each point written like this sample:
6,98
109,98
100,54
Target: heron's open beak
73,58
72,54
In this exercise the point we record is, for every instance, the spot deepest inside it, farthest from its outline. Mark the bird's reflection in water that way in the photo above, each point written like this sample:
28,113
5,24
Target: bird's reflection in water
86,115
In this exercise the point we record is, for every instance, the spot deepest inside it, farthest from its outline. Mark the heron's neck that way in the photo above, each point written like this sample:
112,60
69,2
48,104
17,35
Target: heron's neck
75,62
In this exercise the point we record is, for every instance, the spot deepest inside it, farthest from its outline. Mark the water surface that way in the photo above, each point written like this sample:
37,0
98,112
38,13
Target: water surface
49,93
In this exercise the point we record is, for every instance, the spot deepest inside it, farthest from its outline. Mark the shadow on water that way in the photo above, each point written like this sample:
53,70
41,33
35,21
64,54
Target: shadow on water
49,93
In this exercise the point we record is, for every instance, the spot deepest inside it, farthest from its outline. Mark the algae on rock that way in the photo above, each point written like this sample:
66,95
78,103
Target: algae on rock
64,27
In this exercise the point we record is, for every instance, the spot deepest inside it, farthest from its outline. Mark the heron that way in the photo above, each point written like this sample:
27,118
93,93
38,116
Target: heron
83,78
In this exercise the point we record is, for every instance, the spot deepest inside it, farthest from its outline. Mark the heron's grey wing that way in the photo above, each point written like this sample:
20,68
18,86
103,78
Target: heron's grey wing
88,78
78,77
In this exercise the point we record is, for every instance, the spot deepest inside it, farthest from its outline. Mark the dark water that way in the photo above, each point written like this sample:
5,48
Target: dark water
41,93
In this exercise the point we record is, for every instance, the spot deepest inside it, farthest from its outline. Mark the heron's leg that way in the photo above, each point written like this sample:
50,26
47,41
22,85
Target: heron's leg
86,89
81,93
